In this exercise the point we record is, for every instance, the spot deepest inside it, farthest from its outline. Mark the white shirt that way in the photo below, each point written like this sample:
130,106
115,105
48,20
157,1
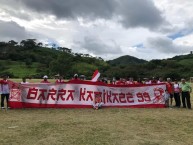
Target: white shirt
159,82
148,82
176,88
4,88
24,83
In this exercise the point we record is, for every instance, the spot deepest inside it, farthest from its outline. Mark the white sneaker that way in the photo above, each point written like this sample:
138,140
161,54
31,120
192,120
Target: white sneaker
8,107
2,107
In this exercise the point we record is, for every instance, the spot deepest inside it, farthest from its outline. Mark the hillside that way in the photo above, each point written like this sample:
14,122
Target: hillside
30,59
126,60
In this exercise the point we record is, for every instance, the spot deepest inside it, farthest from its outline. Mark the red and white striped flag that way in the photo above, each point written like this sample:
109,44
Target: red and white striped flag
95,76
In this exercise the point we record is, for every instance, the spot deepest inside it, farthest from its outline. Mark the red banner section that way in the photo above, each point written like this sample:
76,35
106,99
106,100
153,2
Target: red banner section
80,94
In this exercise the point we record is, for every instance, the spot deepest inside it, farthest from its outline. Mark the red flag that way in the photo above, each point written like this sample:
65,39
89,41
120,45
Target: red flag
95,76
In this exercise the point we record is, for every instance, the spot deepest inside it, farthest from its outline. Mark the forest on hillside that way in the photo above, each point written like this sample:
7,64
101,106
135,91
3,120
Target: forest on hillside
31,58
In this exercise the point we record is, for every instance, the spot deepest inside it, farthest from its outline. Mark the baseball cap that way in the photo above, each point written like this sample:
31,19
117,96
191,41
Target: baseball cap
45,77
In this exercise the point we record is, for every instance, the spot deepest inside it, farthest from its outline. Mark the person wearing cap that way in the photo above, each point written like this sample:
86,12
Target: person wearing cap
185,90
45,79
75,76
5,91
170,89
74,79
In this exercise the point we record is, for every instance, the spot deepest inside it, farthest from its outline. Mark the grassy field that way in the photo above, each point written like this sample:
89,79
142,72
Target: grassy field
102,127
108,126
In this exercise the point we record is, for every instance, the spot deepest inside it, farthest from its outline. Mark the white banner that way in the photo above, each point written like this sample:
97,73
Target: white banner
82,95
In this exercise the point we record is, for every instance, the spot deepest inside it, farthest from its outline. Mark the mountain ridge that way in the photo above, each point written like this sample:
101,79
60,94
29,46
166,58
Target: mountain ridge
125,60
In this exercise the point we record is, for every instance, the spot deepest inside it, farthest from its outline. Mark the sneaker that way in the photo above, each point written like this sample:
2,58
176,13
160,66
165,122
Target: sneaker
2,107
8,107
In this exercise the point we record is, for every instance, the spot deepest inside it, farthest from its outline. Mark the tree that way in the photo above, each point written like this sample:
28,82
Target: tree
3,44
62,65
53,45
29,43
12,43
40,44
28,62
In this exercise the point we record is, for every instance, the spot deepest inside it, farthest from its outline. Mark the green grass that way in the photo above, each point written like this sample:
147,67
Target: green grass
102,127
186,62
19,68
108,126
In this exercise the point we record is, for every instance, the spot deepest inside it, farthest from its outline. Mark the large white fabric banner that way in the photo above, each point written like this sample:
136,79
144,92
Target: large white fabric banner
81,94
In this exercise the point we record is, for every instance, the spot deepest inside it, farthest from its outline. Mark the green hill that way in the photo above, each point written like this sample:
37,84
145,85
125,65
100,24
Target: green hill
30,58
126,60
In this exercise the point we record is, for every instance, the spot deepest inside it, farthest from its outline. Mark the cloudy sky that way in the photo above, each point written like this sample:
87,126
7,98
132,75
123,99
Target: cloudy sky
147,29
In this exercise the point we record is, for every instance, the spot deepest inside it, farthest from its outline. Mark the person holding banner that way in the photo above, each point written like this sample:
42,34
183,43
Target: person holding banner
170,89
97,102
130,81
75,77
160,80
120,82
24,81
60,80
45,80
5,90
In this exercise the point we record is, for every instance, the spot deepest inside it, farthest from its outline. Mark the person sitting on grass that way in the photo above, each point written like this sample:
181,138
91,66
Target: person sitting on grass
97,102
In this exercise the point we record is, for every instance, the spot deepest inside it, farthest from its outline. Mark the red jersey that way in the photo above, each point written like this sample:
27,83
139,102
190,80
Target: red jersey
154,81
98,99
59,81
169,87
4,82
45,82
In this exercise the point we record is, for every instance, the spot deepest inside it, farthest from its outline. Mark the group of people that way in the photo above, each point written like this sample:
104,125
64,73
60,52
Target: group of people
179,91
129,81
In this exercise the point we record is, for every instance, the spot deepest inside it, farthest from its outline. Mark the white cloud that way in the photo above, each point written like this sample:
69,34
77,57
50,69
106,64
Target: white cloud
105,28
11,30
167,46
